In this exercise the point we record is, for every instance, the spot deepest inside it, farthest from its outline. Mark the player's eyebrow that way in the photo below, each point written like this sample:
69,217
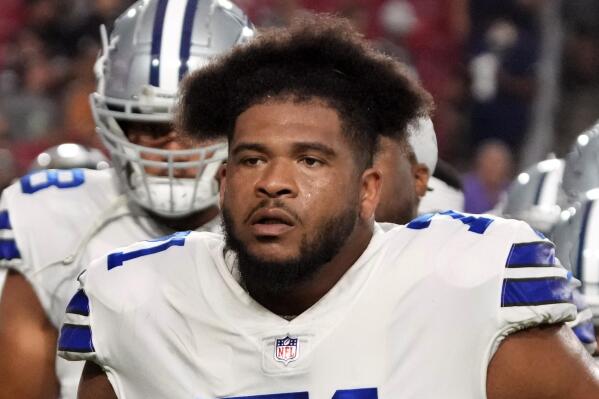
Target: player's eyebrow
295,149
249,147
314,146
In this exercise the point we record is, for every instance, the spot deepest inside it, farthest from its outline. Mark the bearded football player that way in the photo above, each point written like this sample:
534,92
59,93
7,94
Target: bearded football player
305,295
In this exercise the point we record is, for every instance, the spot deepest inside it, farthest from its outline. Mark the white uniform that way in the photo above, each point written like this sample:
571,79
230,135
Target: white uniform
419,315
53,223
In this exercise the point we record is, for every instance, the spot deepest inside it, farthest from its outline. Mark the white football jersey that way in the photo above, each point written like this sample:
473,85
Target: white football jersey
53,223
419,315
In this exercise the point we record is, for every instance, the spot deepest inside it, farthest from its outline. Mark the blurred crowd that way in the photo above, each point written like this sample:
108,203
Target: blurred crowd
478,58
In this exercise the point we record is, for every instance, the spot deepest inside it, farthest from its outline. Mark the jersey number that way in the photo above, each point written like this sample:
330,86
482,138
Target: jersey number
116,259
68,179
477,224
363,393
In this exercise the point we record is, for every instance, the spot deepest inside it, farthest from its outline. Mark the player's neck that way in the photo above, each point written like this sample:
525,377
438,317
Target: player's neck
304,295
190,222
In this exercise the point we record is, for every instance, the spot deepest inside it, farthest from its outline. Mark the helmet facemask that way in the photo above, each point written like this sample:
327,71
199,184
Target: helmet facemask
163,191
153,45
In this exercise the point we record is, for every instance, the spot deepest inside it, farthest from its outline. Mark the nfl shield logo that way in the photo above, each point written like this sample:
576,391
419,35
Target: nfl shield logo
286,349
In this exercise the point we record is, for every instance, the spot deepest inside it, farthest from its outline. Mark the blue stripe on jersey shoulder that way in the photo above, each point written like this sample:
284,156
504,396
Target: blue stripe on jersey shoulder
9,250
75,338
535,291
585,332
4,220
527,254
292,395
79,304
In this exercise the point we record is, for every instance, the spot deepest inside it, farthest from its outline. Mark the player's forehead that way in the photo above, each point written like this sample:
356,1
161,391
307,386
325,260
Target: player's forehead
287,122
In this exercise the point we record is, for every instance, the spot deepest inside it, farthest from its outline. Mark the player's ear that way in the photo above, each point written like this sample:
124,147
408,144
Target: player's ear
421,176
222,179
370,193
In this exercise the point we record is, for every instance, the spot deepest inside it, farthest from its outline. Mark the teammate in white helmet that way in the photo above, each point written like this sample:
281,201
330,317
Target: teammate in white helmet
406,166
54,222
69,156
306,296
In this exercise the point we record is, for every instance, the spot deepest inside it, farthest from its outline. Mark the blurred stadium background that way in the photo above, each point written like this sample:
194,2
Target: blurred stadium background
513,80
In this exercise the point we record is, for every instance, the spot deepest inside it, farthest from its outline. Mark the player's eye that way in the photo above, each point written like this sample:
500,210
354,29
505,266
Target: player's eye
311,161
252,161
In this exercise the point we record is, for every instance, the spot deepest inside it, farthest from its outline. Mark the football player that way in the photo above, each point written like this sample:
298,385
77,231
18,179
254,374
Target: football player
581,169
536,195
53,222
305,295
405,161
574,237
69,156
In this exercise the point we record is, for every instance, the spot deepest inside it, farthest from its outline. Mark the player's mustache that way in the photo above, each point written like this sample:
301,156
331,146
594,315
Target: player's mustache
273,203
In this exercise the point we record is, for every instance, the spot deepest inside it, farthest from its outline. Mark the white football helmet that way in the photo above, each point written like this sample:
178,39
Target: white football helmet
423,140
153,45
576,236
581,172
535,195
69,156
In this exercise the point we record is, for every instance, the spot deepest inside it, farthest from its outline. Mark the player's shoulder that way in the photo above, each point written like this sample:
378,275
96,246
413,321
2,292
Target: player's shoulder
452,226
42,187
460,245
129,275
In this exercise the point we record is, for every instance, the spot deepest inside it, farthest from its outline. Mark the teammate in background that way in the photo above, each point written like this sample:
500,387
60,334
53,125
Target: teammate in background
306,296
62,156
53,223
536,196
446,191
406,165
70,156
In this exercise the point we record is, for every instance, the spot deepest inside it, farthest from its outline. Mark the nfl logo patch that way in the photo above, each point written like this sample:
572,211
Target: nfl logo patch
286,349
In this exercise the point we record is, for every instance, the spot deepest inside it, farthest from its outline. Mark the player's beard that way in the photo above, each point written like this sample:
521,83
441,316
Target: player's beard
267,278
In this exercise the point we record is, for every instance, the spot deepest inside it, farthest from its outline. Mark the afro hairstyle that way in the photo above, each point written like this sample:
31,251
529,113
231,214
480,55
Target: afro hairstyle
317,57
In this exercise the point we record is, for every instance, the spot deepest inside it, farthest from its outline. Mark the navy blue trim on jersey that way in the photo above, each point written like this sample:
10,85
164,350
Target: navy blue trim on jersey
4,221
186,33
421,222
535,291
9,250
157,42
476,224
585,332
360,393
540,188
79,304
75,338
52,180
118,258
582,238
531,254
292,395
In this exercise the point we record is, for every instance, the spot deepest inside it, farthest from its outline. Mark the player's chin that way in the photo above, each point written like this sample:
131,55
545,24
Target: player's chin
274,250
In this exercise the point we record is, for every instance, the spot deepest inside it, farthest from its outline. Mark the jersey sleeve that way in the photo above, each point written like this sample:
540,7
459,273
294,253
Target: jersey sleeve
75,341
10,254
535,288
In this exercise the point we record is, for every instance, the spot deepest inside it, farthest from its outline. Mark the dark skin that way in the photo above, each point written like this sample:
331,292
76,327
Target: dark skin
270,159
404,182
308,168
27,344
